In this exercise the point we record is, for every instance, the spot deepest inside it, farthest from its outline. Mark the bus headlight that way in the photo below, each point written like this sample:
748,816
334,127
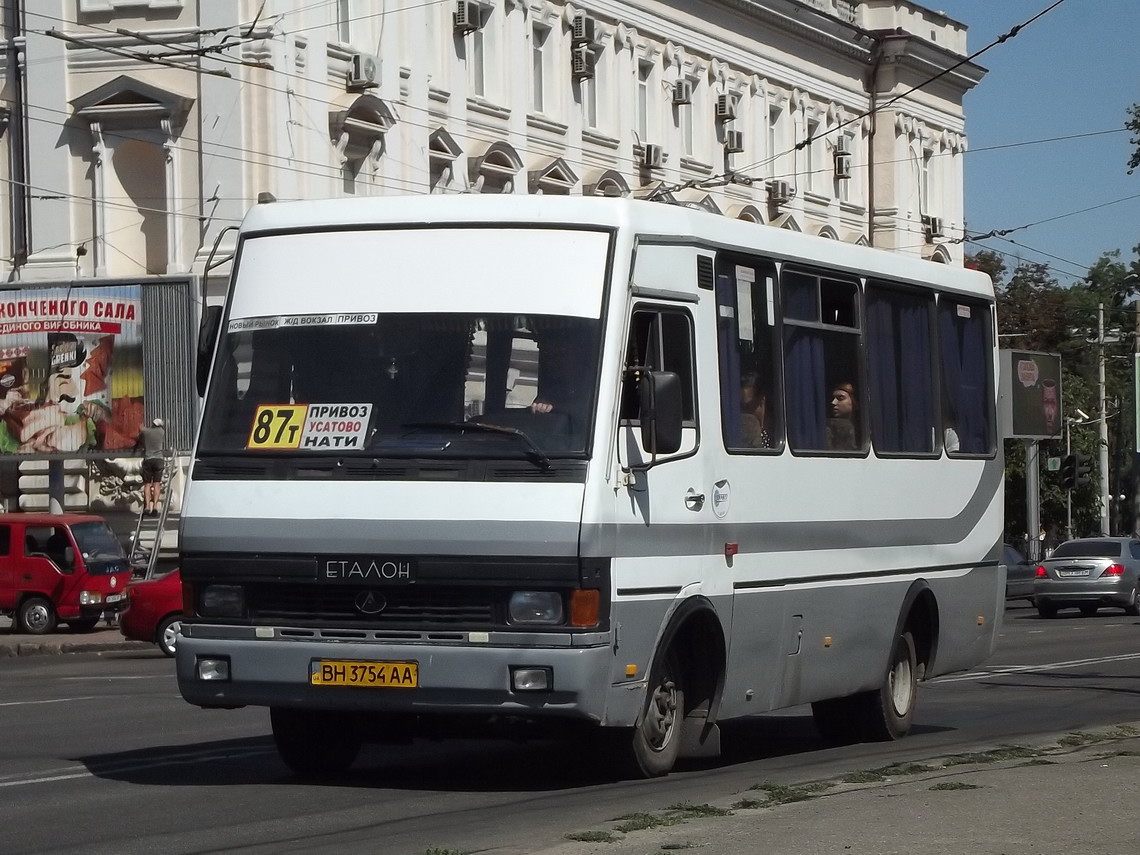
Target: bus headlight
222,601
535,607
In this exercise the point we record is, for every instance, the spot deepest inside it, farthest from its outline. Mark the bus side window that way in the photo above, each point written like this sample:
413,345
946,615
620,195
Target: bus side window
750,392
965,349
901,370
659,341
822,368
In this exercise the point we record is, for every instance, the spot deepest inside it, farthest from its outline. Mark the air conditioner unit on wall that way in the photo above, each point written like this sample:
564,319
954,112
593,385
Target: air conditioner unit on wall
725,108
468,16
652,156
842,164
363,72
581,62
582,30
683,91
779,192
843,144
933,227
733,141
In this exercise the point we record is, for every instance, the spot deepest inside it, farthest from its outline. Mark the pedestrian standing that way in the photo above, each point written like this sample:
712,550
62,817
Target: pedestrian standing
152,444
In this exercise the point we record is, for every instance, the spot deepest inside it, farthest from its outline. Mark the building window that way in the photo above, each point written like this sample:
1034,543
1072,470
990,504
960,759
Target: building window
924,180
344,20
773,140
644,76
538,60
811,129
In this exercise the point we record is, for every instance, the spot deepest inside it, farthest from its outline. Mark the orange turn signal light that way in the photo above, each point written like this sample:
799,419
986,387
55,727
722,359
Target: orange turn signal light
584,605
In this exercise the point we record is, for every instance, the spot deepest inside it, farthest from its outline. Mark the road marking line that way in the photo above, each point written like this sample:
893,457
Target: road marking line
1005,670
120,677
51,701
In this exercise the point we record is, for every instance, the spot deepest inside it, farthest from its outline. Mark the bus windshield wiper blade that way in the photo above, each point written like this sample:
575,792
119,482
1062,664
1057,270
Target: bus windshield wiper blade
533,451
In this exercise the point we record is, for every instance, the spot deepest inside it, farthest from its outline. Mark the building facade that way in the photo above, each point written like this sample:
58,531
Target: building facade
135,133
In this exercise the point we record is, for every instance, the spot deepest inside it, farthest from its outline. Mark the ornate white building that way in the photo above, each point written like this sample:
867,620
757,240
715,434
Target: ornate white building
133,132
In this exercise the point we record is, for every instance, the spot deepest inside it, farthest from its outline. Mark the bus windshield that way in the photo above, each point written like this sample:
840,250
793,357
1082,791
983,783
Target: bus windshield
404,384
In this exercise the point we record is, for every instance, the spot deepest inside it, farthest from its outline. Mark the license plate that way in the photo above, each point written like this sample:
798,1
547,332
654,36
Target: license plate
113,598
378,675
1071,573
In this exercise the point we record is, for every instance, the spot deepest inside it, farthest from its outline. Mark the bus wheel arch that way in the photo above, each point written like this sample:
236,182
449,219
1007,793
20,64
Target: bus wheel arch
686,679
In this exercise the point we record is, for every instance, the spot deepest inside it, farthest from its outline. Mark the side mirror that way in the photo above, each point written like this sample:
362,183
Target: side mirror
207,338
660,411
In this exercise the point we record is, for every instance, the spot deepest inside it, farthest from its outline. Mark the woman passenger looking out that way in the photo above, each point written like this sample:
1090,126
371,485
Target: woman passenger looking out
842,432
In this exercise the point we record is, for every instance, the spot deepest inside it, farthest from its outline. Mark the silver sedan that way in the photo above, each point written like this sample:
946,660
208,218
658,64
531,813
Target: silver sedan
1088,573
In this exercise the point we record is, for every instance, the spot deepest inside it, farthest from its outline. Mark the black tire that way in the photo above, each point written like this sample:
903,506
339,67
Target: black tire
1132,607
83,624
656,741
166,636
36,616
889,709
1045,608
838,719
1088,609
315,743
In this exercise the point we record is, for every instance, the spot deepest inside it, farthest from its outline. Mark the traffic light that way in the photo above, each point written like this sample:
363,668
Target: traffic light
1083,467
1069,472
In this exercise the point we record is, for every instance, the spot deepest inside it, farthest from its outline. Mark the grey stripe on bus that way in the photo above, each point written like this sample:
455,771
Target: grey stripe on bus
619,540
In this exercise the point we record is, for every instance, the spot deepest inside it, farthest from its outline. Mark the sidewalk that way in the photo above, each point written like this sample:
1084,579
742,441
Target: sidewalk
1070,794
64,640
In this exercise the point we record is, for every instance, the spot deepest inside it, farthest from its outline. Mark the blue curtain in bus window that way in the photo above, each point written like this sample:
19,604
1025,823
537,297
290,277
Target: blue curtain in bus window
804,388
727,334
902,401
963,345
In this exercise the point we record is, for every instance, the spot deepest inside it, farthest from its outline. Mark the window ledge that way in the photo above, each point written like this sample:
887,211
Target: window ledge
693,165
598,138
436,93
852,207
817,198
478,104
544,123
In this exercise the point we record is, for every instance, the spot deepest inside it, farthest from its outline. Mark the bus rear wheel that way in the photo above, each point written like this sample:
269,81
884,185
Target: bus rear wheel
315,743
888,710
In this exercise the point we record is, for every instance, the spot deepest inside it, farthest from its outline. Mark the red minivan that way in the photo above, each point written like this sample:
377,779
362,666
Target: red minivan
60,567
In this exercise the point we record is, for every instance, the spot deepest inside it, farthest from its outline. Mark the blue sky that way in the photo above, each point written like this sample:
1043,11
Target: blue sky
1074,71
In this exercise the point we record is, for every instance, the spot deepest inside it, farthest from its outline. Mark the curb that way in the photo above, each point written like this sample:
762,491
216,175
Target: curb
58,648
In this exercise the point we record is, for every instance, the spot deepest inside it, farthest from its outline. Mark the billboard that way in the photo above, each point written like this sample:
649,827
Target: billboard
71,371
1031,395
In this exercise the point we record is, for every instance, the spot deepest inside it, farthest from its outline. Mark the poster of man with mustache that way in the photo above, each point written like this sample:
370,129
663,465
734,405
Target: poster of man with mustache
71,371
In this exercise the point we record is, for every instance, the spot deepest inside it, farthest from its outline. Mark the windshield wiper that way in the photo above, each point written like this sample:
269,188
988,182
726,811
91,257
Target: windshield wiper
533,451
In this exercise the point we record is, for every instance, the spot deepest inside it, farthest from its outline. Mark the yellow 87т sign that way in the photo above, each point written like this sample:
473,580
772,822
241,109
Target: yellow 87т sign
278,426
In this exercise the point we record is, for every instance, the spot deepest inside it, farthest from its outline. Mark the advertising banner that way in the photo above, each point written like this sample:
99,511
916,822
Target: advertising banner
1031,395
71,371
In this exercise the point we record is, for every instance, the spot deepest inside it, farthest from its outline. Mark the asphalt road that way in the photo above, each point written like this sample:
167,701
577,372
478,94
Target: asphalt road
100,754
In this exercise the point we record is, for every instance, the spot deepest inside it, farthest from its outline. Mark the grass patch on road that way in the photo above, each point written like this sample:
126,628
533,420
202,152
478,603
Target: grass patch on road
782,794
592,836
955,785
687,810
874,776
642,821
995,755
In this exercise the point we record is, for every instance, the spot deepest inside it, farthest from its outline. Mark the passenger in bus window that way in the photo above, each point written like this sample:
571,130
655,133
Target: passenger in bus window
842,432
753,407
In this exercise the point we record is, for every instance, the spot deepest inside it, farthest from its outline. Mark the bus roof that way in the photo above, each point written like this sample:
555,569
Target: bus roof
648,220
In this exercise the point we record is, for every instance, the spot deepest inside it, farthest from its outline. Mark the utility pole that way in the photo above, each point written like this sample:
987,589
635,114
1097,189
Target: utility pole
1103,444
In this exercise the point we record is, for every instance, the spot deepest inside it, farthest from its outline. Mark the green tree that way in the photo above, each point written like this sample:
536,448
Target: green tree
1133,124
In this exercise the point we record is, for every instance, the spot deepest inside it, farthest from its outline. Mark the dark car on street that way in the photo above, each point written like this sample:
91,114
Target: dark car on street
1019,573
1088,573
154,611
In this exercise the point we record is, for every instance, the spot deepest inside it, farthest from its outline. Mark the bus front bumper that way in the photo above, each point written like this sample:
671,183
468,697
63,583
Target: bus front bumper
457,678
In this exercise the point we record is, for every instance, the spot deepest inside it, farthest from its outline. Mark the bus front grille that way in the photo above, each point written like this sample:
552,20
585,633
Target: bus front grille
402,606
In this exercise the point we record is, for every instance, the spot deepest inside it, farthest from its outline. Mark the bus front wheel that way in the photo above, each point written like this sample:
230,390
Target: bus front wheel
657,740
315,743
